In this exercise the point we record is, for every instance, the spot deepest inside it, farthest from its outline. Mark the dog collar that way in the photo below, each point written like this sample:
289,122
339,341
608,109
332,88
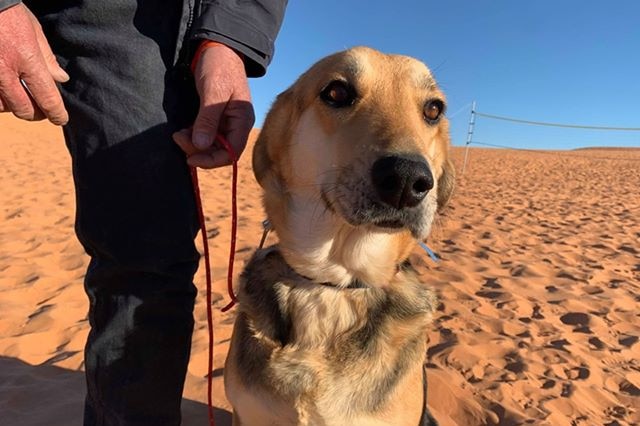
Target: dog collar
267,227
355,284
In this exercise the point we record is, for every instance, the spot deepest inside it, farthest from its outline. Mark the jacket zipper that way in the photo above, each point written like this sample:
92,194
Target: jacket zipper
184,63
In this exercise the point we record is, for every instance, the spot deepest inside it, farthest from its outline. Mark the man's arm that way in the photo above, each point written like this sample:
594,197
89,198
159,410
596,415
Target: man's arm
244,32
247,26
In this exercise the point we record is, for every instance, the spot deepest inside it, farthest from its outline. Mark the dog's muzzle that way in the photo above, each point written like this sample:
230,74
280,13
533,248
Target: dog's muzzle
394,196
401,181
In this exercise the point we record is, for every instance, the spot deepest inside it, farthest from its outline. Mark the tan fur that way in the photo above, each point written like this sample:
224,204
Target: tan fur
309,354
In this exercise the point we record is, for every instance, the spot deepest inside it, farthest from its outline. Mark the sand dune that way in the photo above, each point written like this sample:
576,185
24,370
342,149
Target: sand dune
539,286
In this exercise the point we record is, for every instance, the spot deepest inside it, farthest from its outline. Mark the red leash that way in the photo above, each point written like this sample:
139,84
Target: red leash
232,252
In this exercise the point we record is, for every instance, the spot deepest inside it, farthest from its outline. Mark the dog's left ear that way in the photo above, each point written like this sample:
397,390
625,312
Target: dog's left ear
447,180
446,183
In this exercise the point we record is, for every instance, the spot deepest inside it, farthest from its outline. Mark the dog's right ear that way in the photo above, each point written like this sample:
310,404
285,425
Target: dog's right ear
277,132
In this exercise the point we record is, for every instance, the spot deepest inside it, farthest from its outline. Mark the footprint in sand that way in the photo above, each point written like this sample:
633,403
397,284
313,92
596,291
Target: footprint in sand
491,291
518,270
213,232
596,343
491,282
515,364
629,388
578,373
628,249
615,283
488,294
536,314
617,411
579,320
567,390
559,345
481,254
548,384
628,341
448,339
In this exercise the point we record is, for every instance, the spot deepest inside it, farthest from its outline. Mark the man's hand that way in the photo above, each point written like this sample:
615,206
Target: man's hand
28,69
225,108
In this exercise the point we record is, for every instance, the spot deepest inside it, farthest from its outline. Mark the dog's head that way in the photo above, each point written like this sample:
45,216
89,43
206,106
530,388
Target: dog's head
356,149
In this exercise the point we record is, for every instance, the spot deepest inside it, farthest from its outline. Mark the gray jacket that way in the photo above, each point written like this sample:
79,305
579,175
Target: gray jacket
248,26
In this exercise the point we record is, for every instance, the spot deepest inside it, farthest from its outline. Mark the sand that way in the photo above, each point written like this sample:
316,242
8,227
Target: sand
539,286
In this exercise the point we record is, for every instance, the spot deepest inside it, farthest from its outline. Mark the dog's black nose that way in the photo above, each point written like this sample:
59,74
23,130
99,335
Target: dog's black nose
401,181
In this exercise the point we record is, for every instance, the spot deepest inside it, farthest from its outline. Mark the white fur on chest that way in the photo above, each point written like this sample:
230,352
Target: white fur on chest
328,250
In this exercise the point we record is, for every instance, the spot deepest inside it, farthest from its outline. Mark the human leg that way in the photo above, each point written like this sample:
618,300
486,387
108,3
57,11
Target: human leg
135,210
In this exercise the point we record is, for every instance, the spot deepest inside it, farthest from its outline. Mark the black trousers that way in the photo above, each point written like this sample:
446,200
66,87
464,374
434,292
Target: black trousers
135,208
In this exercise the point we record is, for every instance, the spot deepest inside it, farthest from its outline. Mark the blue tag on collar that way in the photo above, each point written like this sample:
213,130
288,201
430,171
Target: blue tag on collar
430,252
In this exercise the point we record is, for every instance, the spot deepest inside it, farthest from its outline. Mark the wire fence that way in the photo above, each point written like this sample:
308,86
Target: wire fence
570,126
472,122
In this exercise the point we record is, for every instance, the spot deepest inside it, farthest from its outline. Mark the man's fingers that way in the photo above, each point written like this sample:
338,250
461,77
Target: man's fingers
205,128
215,156
210,160
44,92
58,74
16,99
183,139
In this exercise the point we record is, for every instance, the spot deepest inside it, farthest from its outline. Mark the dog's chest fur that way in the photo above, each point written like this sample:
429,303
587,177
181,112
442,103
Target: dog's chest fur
322,350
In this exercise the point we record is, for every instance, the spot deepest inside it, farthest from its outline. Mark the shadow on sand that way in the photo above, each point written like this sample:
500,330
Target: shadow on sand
44,394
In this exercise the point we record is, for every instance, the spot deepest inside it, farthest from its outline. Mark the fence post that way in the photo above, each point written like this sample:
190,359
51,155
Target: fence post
472,122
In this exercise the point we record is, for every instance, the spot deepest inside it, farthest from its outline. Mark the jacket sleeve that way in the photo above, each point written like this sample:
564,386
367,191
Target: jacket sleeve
5,4
248,26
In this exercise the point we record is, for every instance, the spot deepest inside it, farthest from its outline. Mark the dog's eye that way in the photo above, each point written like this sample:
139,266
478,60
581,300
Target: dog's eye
433,110
338,94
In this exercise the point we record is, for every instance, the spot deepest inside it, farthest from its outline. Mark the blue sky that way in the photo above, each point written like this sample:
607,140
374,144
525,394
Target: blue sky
564,61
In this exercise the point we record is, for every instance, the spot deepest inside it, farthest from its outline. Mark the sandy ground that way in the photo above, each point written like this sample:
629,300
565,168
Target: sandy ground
539,284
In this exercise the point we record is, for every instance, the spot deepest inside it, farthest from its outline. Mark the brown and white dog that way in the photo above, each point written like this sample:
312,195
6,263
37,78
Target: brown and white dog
331,328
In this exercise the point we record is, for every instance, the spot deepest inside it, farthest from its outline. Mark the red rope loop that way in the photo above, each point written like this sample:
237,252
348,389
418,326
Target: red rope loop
232,251
234,221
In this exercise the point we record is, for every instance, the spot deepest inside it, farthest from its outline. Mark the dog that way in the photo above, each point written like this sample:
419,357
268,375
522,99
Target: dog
331,328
